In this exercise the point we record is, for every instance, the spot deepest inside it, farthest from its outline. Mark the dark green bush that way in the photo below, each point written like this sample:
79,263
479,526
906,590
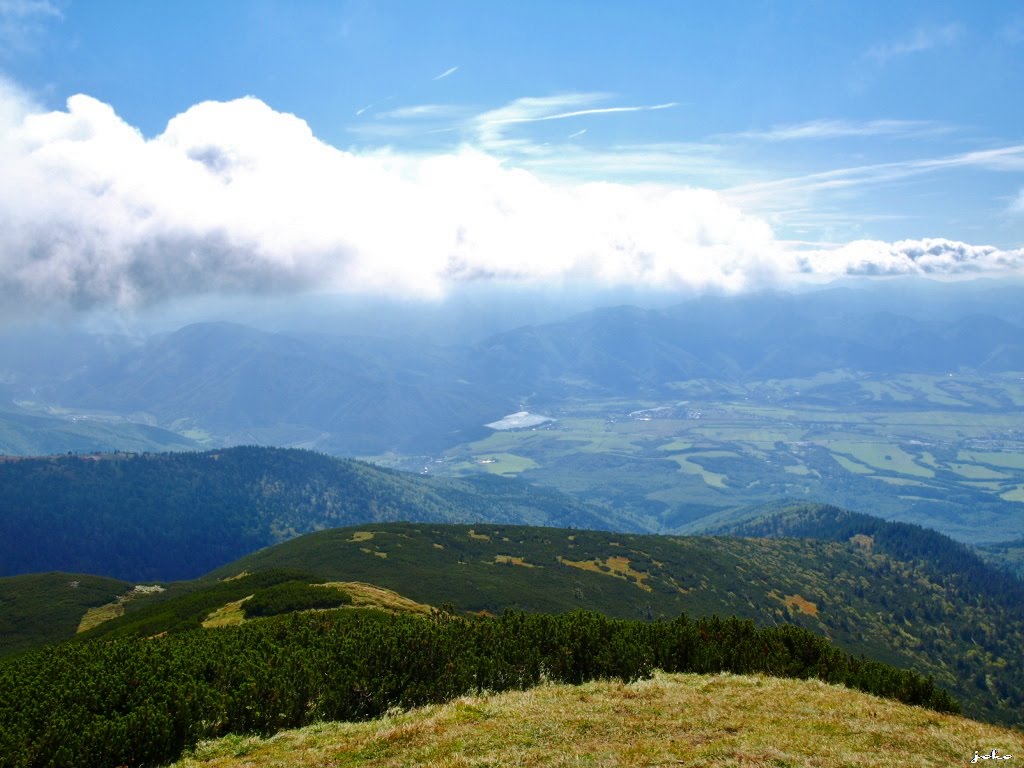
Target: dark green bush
293,596
141,702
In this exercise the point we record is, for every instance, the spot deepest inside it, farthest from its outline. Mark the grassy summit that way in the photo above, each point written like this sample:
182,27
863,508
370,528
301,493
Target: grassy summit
669,720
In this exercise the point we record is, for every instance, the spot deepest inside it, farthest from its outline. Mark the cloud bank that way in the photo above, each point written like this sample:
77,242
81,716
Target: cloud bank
935,257
235,197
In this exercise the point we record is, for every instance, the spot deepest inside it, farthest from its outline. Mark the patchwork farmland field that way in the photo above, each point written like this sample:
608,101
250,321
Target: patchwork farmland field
943,451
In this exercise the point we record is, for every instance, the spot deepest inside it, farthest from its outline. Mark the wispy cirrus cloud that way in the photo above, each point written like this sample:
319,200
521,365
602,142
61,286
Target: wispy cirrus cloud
491,127
1000,159
843,129
697,164
448,72
369,107
27,9
422,112
23,21
532,110
918,41
1017,206
416,120
495,131
1013,30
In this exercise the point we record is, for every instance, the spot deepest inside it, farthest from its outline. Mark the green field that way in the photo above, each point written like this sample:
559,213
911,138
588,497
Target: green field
1010,460
852,466
690,465
506,463
883,456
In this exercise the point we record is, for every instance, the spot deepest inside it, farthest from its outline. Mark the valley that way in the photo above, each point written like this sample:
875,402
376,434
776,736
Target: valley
945,451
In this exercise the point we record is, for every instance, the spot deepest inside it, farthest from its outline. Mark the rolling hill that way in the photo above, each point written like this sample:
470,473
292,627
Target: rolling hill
874,589
143,701
913,609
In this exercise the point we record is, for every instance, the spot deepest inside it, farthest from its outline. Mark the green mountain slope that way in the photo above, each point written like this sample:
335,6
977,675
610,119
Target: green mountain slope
916,612
1009,555
32,434
174,516
41,608
941,556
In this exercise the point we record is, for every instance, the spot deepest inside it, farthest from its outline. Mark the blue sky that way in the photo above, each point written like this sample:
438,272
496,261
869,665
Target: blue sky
804,126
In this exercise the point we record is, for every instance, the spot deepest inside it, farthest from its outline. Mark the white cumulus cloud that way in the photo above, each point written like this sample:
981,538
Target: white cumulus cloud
235,197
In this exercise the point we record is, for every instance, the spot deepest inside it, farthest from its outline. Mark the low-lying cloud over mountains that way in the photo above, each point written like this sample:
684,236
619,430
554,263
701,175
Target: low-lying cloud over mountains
235,197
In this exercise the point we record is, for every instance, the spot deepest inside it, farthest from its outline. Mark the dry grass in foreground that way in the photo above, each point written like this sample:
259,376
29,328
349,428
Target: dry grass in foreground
670,720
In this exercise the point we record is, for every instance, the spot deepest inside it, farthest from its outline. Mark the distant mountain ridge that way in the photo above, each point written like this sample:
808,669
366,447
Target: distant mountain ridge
626,350
26,433
250,386
173,516
942,556
360,395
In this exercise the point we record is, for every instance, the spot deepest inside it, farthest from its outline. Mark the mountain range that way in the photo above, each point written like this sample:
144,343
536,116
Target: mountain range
224,383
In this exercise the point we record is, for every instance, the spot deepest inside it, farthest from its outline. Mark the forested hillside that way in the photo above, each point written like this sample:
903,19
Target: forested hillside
1009,556
175,516
941,556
